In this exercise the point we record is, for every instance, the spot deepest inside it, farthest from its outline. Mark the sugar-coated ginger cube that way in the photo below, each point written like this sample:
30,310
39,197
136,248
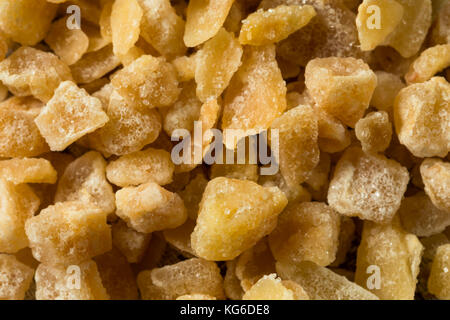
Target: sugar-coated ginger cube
193,276
68,233
342,87
149,208
27,170
439,280
388,261
374,131
69,282
367,186
131,244
435,175
15,278
269,287
422,118
430,62
233,216
69,115
126,18
306,231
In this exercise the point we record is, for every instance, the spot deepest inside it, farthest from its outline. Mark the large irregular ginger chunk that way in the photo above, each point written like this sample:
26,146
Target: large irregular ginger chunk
376,20
149,208
204,19
28,170
233,216
15,278
216,62
435,175
18,204
342,87
69,115
367,186
84,180
256,94
374,131
307,231
28,71
297,143
321,283
422,118
126,18
68,233
141,167
439,280
269,287
149,81
269,26
396,256
162,27
75,282
193,276
430,62
26,21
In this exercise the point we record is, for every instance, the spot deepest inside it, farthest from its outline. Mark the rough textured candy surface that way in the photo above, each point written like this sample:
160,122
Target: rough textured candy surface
15,278
430,62
126,18
27,170
374,131
69,115
439,280
68,233
269,288
233,216
435,175
368,186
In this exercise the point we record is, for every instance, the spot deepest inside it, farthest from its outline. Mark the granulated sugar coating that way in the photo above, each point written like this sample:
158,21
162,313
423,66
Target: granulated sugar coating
224,149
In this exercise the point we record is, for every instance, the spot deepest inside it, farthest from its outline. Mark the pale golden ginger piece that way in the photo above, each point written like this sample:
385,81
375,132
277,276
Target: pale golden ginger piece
439,280
68,233
346,236
269,287
254,263
370,187
180,237
388,261
333,135
342,87
216,62
196,296
233,216
27,170
256,95
84,180
126,18
374,131
15,278
192,194
130,127
231,283
69,115
436,177
376,20
68,44
193,276
422,118
420,216
269,26
28,71
321,283
141,167
388,86
149,208
162,27
26,21
129,242
18,204
307,231
410,33
74,282
297,142
204,19
149,81
430,62
117,276
185,67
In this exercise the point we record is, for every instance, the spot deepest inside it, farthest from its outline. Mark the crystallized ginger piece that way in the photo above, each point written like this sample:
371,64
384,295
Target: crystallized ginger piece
61,282
129,242
436,177
233,216
193,276
367,186
273,25
439,280
28,71
422,118
269,287
69,115
68,233
126,18
149,208
430,62
388,86
27,170
185,67
342,87
15,278
374,131
376,20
